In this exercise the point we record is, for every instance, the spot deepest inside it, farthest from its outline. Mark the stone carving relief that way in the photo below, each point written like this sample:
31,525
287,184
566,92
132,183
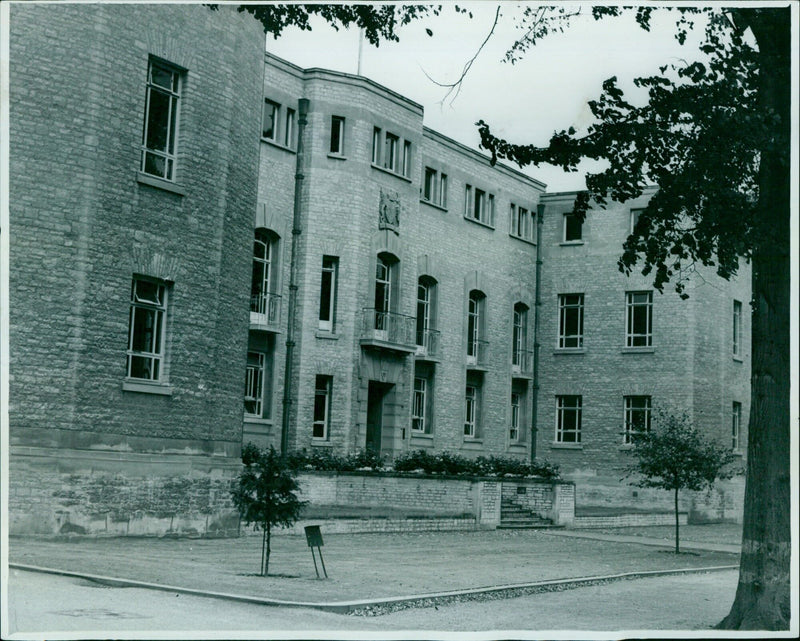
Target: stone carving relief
389,211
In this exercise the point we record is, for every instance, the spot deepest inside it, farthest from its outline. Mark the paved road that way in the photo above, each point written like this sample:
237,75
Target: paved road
41,605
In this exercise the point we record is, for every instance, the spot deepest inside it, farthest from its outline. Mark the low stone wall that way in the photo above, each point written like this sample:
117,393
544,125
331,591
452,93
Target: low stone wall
367,525
628,520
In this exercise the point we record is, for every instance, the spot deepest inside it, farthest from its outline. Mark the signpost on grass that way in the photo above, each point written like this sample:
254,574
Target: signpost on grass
314,540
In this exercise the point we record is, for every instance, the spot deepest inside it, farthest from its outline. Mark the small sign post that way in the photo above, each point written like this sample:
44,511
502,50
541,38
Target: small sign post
314,540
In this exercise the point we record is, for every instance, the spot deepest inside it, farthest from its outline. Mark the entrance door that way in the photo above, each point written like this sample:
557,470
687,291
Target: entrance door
377,393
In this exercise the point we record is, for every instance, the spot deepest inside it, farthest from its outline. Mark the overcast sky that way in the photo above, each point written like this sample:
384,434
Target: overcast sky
546,91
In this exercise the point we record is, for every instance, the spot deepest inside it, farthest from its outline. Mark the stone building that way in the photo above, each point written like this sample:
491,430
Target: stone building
183,214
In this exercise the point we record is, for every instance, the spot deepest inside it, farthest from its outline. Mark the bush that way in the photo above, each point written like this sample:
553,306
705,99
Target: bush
326,461
455,465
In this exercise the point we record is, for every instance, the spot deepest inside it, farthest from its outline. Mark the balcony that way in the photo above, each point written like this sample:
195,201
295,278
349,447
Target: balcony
265,312
428,344
388,330
478,354
522,363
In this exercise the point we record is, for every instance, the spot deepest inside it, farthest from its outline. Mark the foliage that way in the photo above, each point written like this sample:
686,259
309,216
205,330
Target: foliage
675,456
326,461
266,495
455,465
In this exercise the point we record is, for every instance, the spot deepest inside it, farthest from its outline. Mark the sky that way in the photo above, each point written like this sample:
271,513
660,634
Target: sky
526,102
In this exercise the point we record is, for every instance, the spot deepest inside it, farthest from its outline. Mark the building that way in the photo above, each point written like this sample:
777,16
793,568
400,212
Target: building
182,215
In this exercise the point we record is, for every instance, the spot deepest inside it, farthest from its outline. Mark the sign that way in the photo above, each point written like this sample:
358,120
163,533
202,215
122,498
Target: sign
313,536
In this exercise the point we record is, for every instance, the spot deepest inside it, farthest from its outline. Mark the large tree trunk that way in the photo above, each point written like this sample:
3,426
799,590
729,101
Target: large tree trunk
763,594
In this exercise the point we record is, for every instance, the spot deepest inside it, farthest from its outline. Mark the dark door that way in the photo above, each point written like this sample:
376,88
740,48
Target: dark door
376,394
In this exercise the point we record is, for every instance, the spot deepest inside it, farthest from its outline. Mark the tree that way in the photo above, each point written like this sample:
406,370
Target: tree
266,494
714,137
675,456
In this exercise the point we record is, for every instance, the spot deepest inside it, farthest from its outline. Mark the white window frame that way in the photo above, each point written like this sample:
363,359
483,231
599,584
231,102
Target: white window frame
169,154
337,126
736,426
579,239
424,305
391,151
635,213
321,424
629,410
288,130
632,307
519,338
276,119
516,414
330,267
419,422
406,165
254,383
156,309
429,185
562,407
564,308
260,297
377,137
471,407
737,328
475,319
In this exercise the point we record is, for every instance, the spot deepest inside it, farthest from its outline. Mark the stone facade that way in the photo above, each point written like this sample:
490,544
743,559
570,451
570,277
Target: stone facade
371,206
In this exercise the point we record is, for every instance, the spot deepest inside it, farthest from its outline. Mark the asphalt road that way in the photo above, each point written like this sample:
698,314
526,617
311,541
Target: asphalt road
50,606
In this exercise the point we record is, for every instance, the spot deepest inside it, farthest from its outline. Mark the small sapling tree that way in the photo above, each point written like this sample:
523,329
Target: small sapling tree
266,495
675,456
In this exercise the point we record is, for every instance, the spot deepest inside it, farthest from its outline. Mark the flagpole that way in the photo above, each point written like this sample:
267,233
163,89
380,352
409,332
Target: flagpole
360,48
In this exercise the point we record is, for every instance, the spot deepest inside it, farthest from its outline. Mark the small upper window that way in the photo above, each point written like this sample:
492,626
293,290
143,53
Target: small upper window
288,130
479,205
159,139
573,228
635,213
737,328
269,126
337,135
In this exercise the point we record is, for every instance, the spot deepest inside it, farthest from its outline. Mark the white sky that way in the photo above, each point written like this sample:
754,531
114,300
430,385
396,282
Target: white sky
526,102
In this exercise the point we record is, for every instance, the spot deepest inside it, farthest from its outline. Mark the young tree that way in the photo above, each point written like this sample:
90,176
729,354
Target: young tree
266,494
675,456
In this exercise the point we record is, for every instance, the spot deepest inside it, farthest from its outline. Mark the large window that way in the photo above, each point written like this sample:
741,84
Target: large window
519,336
522,222
573,229
426,290
322,407
638,319
434,187
472,399
159,139
475,323
736,426
479,205
568,419
637,417
337,135
383,292
254,384
327,293
418,411
263,300
737,328
516,409
570,321
146,329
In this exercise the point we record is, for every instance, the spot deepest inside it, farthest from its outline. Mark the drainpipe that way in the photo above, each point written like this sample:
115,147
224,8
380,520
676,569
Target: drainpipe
537,308
297,229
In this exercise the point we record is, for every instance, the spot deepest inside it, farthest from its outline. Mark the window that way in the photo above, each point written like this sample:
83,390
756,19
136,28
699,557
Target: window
337,135
269,125
390,150
513,430
383,292
254,384
475,325
522,222
570,321
406,158
472,399
418,422
736,425
638,319
637,417
568,419
426,288
146,329
322,407
288,133
376,146
519,336
262,298
737,328
160,134
635,213
434,188
573,228
327,293
479,205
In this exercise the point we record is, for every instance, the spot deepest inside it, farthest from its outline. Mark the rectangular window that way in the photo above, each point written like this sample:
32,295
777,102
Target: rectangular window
573,228
269,125
337,135
638,319
471,415
479,207
418,422
327,294
568,419
390,150
516,406
406,158
429,185
637,417
376,146
519,335
737,328
146,329
159,138
254,384
288,133
635,213
469,204
443,190
522,223
736,425
570,321
322,407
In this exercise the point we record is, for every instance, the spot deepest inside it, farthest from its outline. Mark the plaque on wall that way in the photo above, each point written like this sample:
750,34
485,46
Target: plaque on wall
389,211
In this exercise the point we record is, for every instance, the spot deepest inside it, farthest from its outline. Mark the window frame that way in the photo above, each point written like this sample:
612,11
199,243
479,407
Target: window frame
159,308
635,213
330,265
323,387
391,152
737,329
631,307
259,375
514,427
174,93
377,136
566,230
419,405
476,302
471,409
561,411
564,307
736,426
288,130
629,412
337,126
519,334
276,119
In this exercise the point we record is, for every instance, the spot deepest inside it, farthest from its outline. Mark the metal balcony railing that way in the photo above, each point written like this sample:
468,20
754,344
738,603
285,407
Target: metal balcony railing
478,352
522,362
428,342
388,327
267,306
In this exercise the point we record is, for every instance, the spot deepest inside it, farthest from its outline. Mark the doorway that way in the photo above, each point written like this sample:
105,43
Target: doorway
375,414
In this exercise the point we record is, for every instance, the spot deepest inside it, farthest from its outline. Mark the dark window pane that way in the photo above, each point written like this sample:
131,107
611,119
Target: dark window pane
157,120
